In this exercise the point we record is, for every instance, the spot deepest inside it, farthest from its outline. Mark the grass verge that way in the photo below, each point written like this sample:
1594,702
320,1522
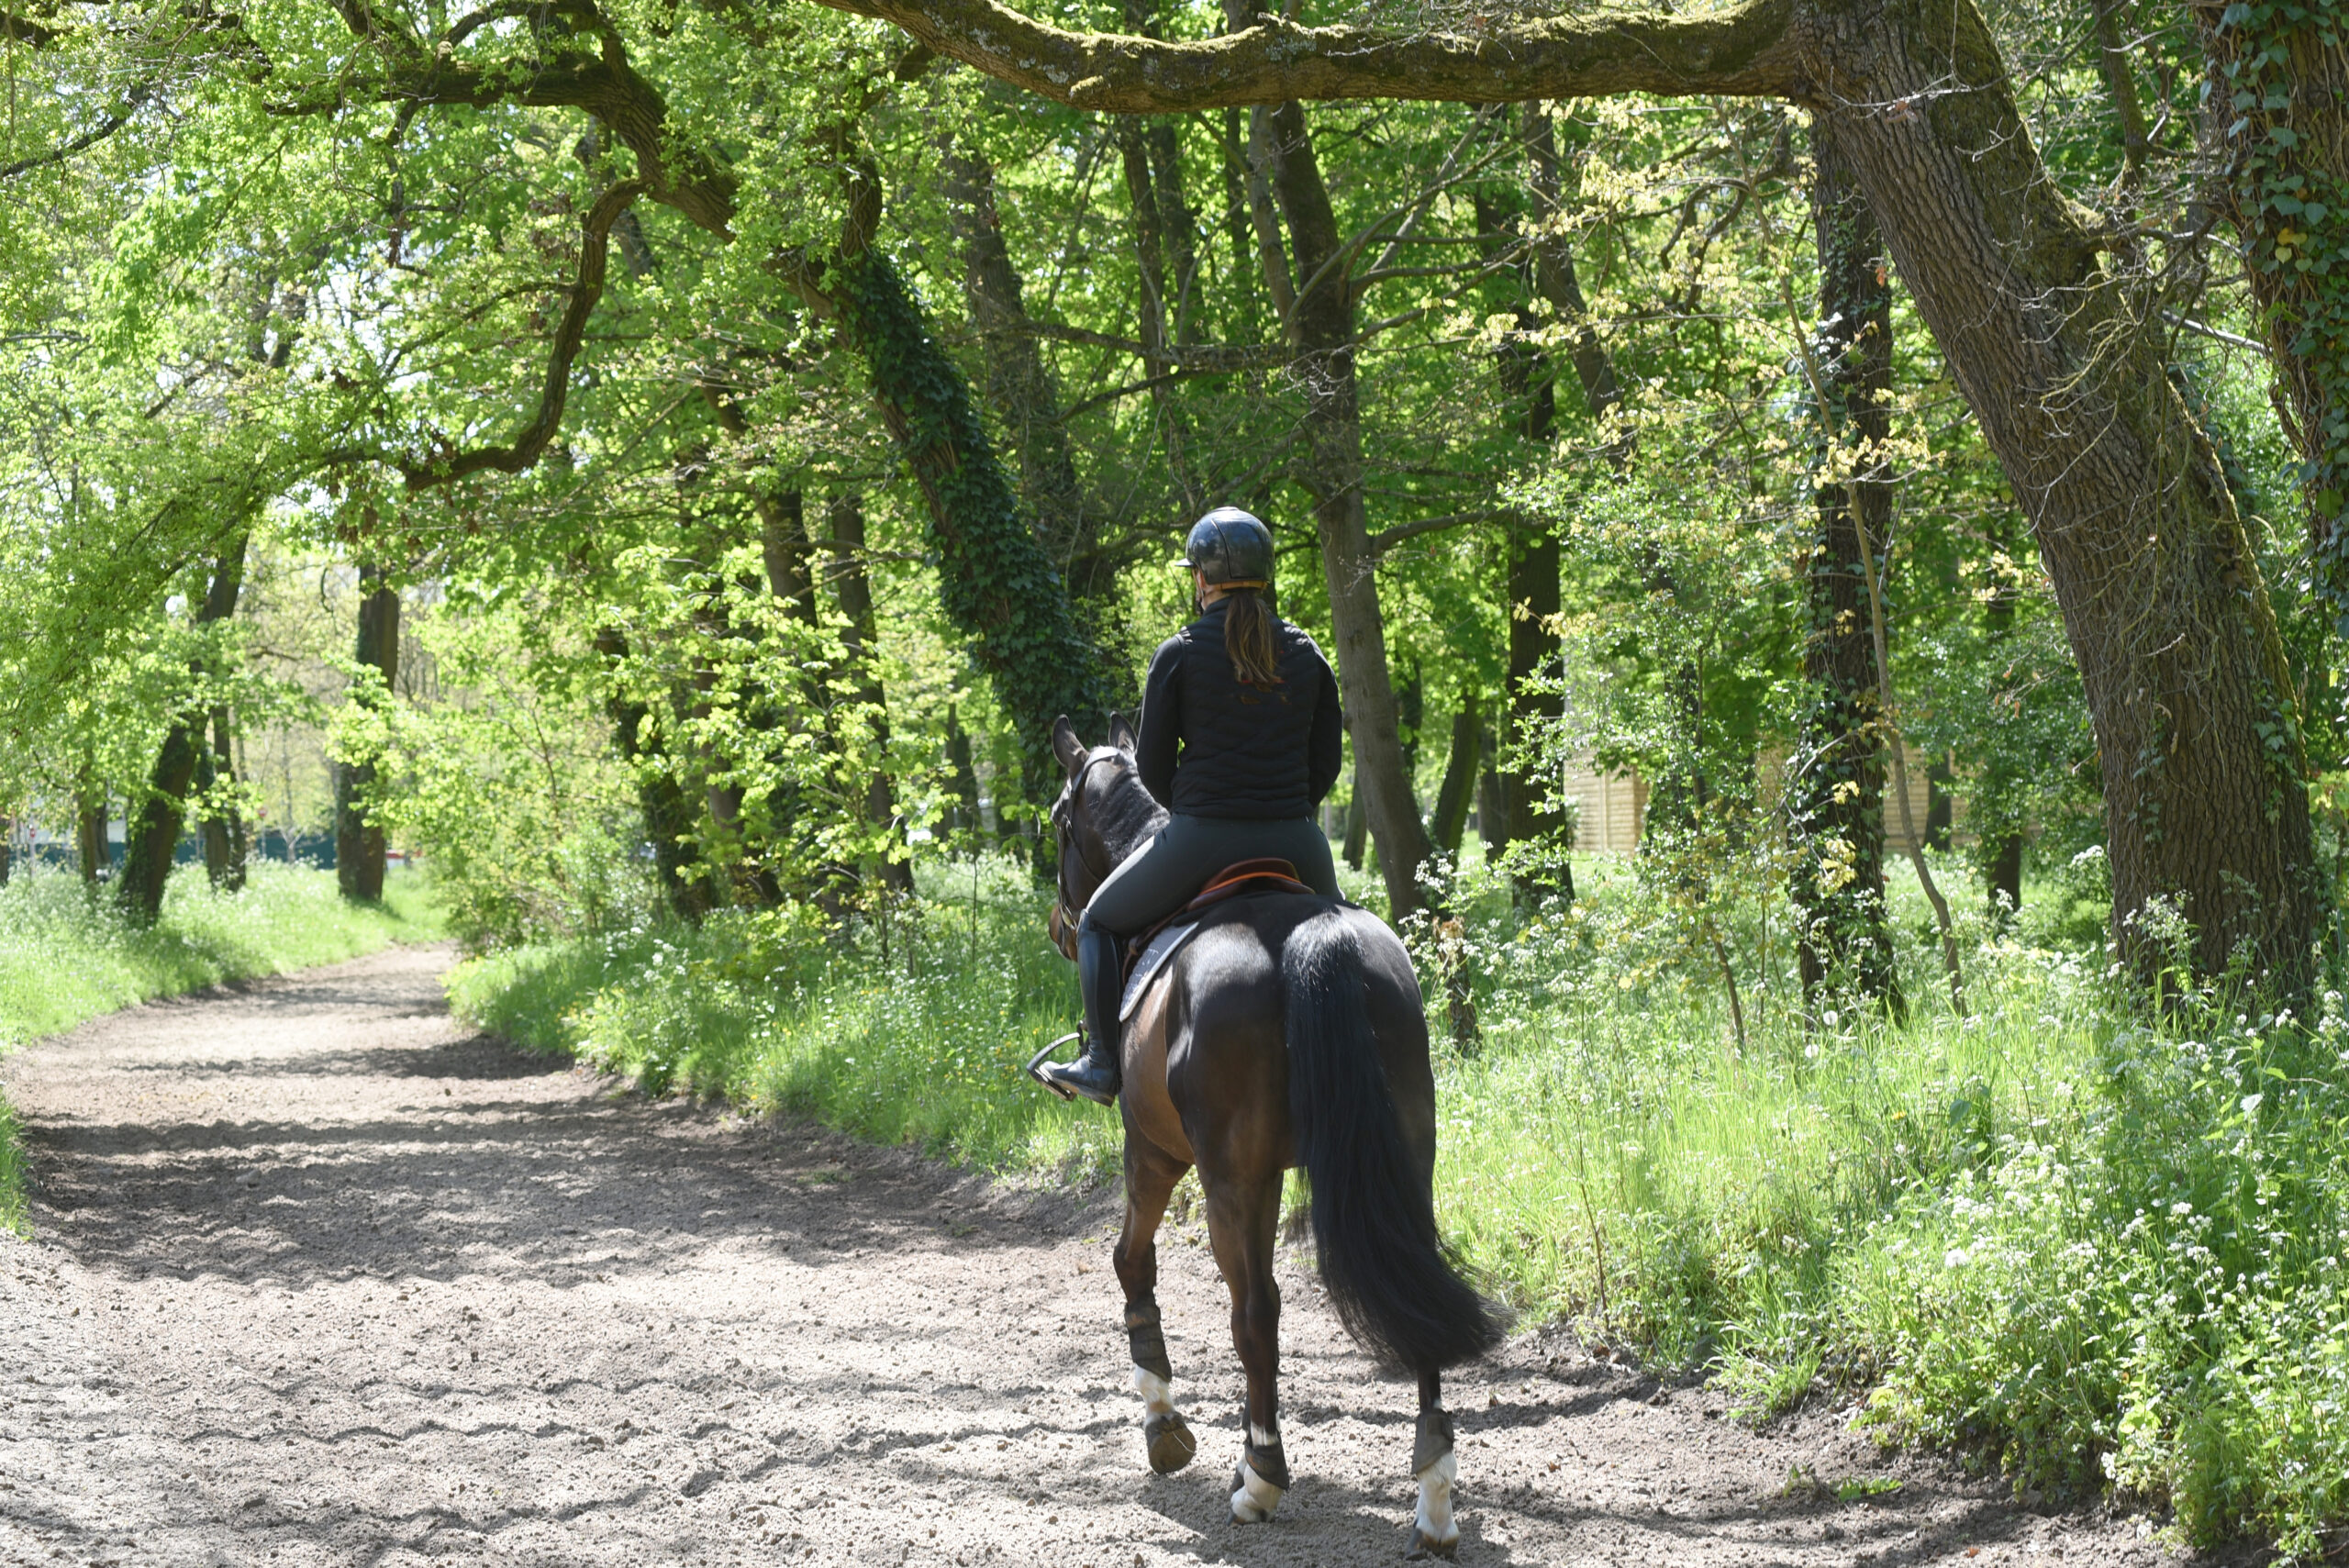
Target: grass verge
66,957
2092,1250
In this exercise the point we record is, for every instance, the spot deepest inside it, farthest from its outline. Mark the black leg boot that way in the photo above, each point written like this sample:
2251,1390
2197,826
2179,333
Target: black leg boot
1094,1074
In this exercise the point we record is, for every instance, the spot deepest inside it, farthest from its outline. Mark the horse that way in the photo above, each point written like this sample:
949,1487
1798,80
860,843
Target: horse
1288,1031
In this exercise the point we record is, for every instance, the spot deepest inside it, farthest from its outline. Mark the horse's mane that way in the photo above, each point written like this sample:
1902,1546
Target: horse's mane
1122,810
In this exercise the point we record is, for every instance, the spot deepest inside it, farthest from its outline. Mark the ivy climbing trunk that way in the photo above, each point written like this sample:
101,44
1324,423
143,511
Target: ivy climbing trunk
1017,385
1835,795
997,584
2063,360
358,838
152,836
2279,100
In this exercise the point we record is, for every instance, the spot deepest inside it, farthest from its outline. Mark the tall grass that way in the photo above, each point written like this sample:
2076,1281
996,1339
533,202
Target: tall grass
66,956
2090,1248
915,1031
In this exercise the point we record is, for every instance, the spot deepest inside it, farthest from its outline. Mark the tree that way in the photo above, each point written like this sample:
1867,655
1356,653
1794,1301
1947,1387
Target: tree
2062,360
1836,794
359,849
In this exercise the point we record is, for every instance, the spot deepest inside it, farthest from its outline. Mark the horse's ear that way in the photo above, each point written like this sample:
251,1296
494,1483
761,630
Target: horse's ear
1121,734
1067,746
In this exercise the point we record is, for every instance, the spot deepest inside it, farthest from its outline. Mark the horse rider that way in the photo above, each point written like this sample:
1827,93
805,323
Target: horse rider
1241,738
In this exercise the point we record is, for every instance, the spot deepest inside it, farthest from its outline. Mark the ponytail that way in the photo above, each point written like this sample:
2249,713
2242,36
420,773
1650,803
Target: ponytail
1248,638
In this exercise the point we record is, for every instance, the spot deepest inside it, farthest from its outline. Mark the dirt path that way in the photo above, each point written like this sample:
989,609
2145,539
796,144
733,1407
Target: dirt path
320,1278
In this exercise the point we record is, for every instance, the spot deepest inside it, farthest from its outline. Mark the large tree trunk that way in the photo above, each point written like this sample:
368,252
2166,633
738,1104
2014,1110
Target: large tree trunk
1835,800
357,839
1321,329
153,834
2206,806
669,816
1018,387
853,590
998,585
225,846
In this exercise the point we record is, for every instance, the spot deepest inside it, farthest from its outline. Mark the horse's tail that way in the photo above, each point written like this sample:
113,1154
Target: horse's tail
1374,1218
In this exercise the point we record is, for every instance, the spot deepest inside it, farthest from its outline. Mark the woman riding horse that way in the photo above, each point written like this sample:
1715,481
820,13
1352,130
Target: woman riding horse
1240,739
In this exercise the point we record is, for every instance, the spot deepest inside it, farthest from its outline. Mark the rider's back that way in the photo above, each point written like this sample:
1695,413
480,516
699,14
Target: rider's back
1213,746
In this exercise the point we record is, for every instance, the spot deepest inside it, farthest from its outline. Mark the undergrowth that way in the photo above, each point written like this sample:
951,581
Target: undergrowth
2092,1250
66,955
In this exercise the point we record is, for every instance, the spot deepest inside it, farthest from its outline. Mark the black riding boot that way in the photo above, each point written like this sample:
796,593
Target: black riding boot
1094,1074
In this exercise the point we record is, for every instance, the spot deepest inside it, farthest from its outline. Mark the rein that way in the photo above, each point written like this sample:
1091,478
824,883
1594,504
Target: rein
1065,915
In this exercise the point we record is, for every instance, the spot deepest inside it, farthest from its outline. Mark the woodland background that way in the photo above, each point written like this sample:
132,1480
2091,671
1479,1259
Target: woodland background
664,465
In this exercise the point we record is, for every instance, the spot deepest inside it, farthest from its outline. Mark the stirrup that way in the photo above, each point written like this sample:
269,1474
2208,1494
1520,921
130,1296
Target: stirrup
1036,1063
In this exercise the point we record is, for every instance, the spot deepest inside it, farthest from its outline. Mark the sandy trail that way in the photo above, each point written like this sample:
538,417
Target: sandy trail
321,1278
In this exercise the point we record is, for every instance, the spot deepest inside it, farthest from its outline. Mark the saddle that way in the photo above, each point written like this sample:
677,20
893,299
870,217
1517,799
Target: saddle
1147,953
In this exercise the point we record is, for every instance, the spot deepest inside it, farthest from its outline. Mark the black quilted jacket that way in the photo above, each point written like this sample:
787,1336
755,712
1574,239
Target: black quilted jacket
1212,747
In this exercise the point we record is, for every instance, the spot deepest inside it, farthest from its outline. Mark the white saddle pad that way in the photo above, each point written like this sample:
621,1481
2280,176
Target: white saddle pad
1153,958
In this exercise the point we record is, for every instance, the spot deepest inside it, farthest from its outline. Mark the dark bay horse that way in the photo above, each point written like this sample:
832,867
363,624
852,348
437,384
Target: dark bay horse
1288,1031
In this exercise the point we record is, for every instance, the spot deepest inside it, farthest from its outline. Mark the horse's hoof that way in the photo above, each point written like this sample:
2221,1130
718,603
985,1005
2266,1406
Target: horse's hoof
1253,1499
1422,1547
1172,1445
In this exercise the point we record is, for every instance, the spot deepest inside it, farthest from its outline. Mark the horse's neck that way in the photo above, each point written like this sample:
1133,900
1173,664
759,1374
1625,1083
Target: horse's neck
1132,831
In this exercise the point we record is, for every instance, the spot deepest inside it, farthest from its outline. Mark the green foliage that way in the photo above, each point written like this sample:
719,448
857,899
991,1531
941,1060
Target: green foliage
913,1030
2291,198
65,957
12,1172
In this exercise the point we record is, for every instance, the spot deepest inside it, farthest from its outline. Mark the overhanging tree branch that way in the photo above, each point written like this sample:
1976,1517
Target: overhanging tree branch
595,255
1387,538
82,142
1743,52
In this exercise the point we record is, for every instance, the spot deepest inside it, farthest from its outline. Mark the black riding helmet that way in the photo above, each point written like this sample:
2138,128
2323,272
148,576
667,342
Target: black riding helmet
1230,547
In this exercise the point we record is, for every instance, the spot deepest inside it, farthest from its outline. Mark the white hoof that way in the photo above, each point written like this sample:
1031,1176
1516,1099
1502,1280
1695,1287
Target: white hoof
1253,1499
1435,1533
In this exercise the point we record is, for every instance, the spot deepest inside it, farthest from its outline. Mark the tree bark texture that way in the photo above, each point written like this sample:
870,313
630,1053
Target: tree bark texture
1018,387
357,839
1458,792
669,816
92,854
1321,330
152,838
1835,798
226,845
2195,724
2001,787
853,588
2063,361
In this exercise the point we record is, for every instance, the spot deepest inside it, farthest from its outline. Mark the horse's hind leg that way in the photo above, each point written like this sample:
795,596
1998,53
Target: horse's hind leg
1434,1532
1244,1214
1151,1176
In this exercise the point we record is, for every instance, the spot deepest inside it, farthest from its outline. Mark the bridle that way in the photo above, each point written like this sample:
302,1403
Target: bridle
1066,915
